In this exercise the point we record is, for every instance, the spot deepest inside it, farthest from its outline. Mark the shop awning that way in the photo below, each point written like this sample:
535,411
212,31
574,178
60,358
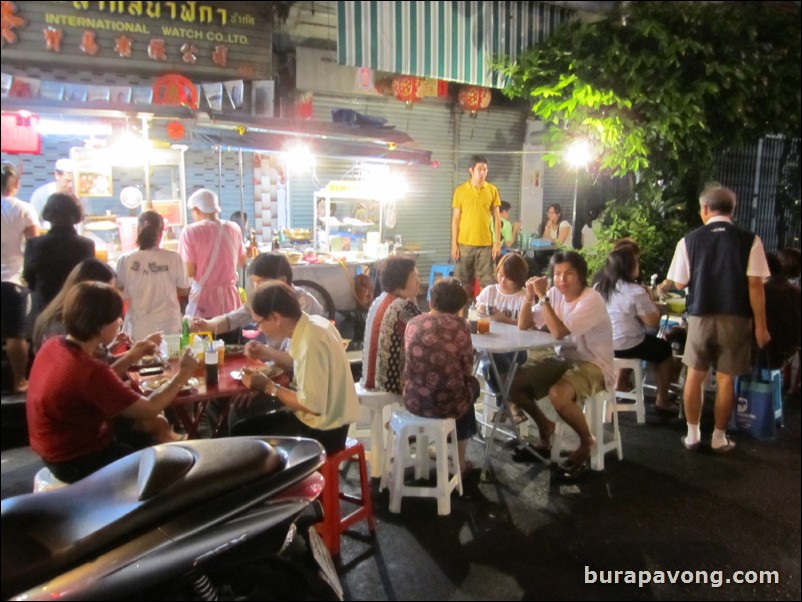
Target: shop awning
247,133
442,40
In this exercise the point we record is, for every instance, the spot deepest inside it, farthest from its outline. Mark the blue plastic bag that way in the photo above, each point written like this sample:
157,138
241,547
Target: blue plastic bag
758,402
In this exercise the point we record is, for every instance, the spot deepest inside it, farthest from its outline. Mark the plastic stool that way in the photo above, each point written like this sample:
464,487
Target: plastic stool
594,414
436,431
333,525
635,395
375,403
45,481
444,269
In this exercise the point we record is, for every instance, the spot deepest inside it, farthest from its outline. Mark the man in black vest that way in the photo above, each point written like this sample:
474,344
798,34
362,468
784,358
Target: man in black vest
723,267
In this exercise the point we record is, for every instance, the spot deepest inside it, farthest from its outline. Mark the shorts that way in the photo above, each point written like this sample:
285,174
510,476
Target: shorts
475,262
652,349
721,341
14,314
466,425
540,375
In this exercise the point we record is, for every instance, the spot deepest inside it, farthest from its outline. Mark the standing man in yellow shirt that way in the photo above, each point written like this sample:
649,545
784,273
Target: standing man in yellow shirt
473,245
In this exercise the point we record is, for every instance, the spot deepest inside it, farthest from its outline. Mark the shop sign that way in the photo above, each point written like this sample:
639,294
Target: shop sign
92,172
20,134
199,37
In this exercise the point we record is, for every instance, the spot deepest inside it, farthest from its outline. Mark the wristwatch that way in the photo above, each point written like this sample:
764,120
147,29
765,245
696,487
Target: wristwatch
275,389
545,300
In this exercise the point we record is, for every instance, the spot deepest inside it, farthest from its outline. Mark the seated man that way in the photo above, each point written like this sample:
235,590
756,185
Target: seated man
322,400
267,266
570,307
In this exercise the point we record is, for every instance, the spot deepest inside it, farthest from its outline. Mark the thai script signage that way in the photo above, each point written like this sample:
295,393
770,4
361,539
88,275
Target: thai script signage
196,38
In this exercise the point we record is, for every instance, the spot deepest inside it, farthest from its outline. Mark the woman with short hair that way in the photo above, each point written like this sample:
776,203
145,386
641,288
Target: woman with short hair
383,352
73,396
50,258
438,371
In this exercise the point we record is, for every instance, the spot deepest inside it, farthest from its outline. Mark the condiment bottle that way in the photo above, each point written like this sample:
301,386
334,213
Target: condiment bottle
211,365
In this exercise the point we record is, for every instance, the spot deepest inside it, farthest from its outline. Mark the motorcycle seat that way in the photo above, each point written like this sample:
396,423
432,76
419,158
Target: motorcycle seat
138,493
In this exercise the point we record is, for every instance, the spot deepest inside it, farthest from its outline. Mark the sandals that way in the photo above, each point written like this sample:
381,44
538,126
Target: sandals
573,470
726,448
689,446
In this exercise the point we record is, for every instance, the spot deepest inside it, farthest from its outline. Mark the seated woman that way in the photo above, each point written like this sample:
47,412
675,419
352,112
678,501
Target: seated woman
322,400
502,303
556,229
383,353
267,266
50,323
631,311
438,371
73,396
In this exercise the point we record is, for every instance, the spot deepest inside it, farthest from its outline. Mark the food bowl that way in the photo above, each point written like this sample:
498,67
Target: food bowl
298,234
294,256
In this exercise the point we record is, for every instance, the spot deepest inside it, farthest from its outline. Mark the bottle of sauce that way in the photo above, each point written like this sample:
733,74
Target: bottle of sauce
211,365
253,245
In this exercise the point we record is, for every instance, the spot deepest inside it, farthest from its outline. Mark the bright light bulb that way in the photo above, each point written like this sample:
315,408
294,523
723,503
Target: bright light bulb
299,159
578,153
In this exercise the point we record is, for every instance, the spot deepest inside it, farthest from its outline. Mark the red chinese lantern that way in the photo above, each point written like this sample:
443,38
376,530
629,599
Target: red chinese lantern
175,130
407,88
474,98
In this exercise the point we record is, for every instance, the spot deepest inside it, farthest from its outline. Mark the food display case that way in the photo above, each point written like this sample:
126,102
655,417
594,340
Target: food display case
361,230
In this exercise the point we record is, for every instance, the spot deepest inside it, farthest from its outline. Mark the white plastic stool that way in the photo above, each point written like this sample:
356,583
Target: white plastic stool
635,395
427,431
375,403
594,414
45,481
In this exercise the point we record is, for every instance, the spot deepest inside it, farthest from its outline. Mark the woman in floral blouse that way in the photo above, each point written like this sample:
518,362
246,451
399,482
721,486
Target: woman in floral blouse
438,367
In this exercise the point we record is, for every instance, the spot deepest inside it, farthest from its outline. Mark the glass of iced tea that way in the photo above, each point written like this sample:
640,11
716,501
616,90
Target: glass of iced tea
483,326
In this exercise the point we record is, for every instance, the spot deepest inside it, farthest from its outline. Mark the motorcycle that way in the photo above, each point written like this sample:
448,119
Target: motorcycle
193,520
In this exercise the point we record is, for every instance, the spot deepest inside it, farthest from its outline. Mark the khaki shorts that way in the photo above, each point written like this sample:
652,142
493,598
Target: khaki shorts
541,374
475,261
723,341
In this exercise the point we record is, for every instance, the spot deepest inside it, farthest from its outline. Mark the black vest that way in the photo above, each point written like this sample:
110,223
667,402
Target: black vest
719,255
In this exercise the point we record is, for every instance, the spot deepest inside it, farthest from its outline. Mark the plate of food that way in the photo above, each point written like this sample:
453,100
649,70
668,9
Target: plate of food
271,371
149,386
148,361
235,350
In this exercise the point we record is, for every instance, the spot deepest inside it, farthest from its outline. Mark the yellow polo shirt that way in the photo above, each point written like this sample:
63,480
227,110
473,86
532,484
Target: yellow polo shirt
475,204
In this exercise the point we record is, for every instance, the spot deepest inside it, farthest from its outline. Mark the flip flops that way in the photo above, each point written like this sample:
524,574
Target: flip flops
573,470
726,448
689,446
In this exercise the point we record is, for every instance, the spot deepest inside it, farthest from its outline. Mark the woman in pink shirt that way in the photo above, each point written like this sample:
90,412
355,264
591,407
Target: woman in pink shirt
212,249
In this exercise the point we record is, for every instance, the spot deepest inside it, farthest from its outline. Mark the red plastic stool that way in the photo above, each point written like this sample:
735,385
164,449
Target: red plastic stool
333,525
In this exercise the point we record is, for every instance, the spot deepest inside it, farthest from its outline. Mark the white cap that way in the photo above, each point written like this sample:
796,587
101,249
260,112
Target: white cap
64,166
204,200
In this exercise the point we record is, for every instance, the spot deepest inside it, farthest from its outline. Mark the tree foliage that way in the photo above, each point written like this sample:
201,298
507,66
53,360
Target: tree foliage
662,89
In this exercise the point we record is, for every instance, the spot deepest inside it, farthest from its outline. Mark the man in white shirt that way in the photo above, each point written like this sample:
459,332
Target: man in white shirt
569,308
62,182
723,267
